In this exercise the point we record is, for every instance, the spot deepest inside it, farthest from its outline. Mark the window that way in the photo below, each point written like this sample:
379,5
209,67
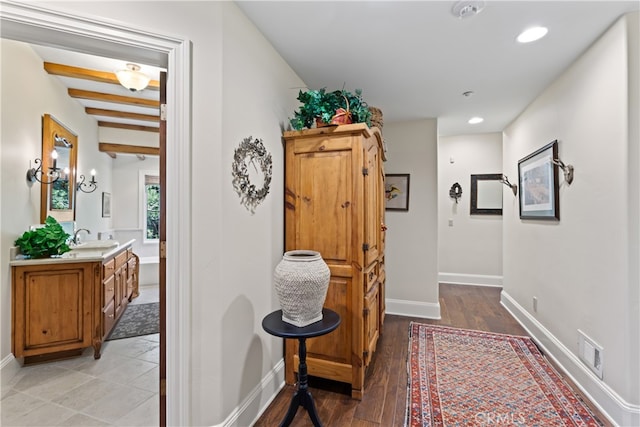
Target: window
151,207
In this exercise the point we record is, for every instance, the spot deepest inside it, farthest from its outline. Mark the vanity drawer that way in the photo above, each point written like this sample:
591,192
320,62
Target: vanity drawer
109,288
109,317
108,268
121,259
370,276
131,266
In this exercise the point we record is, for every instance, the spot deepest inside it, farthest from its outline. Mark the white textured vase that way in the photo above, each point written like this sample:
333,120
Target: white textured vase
301,280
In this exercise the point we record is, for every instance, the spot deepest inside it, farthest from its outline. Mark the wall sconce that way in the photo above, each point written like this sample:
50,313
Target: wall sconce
505,181
132,78
567,169
88,187
36,174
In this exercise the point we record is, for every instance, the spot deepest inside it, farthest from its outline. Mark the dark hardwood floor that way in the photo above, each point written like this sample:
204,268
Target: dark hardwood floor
383,405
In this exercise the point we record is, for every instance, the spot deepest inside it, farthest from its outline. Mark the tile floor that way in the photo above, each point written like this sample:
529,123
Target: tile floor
119,389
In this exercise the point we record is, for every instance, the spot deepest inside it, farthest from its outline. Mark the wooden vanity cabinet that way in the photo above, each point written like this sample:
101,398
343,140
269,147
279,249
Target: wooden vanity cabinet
60,308
52,307
334,204
119,285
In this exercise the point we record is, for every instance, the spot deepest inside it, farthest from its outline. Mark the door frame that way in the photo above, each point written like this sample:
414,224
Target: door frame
39,25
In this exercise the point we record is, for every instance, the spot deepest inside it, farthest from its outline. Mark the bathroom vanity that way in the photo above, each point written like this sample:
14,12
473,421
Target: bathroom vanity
60,306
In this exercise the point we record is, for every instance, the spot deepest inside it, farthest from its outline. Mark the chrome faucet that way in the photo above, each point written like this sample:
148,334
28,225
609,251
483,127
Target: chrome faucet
76,238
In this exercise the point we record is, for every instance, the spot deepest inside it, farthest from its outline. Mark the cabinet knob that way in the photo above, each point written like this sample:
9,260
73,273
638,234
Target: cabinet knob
111,316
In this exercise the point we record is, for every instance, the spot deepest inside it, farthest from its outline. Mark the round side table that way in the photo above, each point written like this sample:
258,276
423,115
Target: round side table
274,325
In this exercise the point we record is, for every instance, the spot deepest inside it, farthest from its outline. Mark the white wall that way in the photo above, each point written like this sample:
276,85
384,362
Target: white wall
126,201
127,211
583,269
23,105
470,250
411,254
633,319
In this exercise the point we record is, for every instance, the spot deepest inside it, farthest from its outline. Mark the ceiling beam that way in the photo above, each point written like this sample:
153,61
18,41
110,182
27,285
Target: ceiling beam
106,147
87,74
121,114
128,127
118,99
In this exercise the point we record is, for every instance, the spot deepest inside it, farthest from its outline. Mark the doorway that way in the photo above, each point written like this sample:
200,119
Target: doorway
46,27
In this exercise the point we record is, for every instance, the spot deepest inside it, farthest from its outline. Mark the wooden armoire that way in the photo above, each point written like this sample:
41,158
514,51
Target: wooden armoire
334,204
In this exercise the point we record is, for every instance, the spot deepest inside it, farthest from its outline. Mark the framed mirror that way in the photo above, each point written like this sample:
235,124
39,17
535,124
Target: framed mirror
59,149
486,194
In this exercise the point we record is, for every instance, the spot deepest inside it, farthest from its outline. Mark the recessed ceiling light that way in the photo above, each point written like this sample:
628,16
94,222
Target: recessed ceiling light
475,120
532,34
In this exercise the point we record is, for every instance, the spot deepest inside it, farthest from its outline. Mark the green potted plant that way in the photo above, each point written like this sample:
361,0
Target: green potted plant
360,112
336,107
44,241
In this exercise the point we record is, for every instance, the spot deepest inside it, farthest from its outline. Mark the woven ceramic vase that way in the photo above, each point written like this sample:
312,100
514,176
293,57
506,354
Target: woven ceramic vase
301,280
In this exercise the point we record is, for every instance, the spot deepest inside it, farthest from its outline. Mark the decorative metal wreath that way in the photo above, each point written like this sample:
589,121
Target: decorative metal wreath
251,152
455,192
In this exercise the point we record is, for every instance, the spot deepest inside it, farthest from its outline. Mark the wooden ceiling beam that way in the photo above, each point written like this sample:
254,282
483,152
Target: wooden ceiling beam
128,149
122,114
118,99
87,74
128,127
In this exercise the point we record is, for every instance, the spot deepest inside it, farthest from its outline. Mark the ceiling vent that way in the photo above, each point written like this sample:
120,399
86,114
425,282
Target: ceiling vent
467,8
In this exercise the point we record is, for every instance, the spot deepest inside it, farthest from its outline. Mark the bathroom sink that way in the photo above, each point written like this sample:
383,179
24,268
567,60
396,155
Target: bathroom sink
95,244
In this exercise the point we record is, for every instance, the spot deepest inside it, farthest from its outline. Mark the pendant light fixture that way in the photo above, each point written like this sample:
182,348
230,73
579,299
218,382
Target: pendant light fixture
132,78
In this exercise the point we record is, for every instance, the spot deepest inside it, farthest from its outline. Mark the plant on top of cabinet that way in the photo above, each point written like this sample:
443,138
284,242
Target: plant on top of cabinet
322,107
44,241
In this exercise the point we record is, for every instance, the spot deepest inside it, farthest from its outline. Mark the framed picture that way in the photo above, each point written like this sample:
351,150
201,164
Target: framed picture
486,194
539,198
106,205
396,190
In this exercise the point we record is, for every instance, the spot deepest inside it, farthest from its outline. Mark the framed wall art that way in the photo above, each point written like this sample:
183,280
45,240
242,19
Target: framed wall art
539,197
106,205
396,190
486,194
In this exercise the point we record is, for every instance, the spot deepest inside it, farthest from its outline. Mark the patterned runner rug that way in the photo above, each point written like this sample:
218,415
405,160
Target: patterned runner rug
462,377
138,319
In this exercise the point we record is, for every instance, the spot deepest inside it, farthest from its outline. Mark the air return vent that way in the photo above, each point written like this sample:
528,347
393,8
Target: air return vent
590,353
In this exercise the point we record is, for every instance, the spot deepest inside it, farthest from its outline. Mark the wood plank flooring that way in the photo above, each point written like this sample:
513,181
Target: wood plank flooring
383,405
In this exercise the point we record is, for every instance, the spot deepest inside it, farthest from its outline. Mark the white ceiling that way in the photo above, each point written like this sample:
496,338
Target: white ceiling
414,59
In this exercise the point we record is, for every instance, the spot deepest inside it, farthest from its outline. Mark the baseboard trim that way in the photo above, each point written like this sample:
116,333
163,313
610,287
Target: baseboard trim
9,366
470,279
250,409
610,403
427,310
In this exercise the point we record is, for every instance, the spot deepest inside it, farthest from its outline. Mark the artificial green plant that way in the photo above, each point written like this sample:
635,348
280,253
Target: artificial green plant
322,105
44,241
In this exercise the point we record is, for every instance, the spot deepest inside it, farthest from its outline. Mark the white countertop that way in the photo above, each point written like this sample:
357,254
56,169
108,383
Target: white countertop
83,255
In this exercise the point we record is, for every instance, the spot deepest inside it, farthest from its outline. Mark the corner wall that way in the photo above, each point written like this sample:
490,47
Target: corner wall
580,268
411,253
469,246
